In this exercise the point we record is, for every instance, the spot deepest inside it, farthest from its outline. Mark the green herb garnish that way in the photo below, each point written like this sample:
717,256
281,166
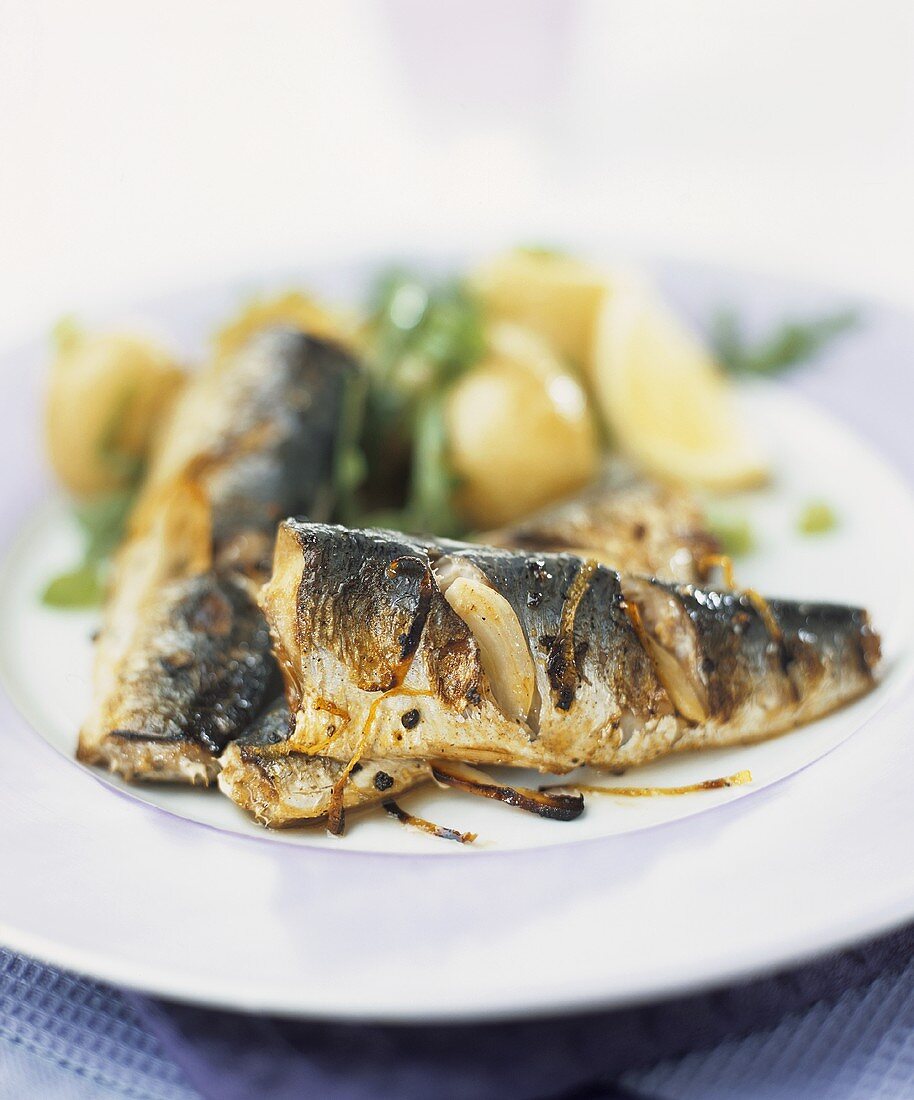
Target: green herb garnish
350,466
432,481
817,518
102,519
80,587
424,336
789,345
735,535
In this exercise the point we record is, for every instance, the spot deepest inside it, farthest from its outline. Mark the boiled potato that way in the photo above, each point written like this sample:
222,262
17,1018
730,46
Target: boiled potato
552,294
107,395
519,430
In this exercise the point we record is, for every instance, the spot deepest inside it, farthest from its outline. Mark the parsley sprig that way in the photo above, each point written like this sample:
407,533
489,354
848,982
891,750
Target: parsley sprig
424,336
102,520
789,345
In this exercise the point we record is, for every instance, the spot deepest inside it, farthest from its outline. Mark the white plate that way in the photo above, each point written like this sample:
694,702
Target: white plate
527,919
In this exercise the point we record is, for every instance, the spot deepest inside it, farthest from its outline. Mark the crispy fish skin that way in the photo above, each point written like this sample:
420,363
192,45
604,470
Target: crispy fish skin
205,649
183,661
287,789
625,521
258,431
359,621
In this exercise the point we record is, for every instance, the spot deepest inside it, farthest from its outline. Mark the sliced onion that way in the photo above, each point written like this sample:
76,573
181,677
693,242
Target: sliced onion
556,807
654,612
676,683
503,647
442,831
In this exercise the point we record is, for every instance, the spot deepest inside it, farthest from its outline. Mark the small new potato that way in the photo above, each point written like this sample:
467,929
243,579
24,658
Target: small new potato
520,432
556,296
107,395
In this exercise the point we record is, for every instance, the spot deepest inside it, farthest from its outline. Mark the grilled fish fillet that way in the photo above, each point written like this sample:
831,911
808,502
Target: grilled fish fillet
625,521
183,660
628,521
400,648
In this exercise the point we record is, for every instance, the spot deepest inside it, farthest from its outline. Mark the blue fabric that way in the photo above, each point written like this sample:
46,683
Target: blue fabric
861,1047
65,1038
842,1028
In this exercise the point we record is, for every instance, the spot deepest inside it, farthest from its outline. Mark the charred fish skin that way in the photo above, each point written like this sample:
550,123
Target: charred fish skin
282,790
287,441
818,655
183,661
198,671
759,667
626,669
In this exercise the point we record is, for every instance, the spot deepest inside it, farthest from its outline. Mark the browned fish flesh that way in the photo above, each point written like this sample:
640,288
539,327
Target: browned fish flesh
289,788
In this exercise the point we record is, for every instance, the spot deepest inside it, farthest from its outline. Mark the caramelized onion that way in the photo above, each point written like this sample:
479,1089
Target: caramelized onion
503,648
652,613
676,682
758,601
719,561
397,811
556,807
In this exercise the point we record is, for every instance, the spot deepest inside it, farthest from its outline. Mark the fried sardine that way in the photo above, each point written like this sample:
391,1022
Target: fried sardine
183,660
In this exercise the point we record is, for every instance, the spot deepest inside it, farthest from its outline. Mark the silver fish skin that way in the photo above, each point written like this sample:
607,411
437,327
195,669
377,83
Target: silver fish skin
626,669
183,661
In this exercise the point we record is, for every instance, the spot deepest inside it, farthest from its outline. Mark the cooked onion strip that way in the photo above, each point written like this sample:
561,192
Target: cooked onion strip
556,807
722,561
758,601
762,606
397,811
503,648
738,779
676,683
336,812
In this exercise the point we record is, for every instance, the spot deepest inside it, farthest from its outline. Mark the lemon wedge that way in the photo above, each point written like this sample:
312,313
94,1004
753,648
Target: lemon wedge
664,398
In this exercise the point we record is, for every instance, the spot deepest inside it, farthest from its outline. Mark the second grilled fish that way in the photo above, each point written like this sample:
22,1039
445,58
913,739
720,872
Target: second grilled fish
183,661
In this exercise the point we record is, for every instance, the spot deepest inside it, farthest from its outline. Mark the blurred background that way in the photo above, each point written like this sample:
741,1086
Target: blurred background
148,145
